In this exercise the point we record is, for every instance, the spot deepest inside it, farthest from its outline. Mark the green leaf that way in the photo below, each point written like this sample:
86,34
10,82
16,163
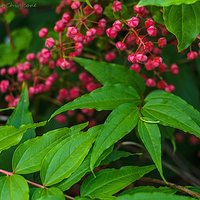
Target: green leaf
162,97
21,114
165,3
151,137
183,22
10,136
111,181
107,97
81,171
154,196
7,56
112,73
66,157
21,38
145,189
9,16
118,124
29,155
45,193
172,111
13,187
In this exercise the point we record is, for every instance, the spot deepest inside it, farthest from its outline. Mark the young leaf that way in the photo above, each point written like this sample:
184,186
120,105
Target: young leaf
151,137
112,73
187,26
154,196
29,155
48,193
172,111
111,181
119,123
67,156
106,98
81,171
10,136
13,187
164,3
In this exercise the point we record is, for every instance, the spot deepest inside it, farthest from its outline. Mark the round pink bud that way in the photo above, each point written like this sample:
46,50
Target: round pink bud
192,55
152,31
75,5
149,22
110,56
49,42
91,86
133,22
66,17
43,32
174,69
46,53
61,118
162,42
91,32
162,67
132,58
170,88
161,84
150,82
142,11
121,46
157,61
12,70
135,67
117,25
71,31
148,46
59,27
98,9
149,65
111,33
141,58
102,23
30,56
4,84
3,72
74,92
117,6
65,64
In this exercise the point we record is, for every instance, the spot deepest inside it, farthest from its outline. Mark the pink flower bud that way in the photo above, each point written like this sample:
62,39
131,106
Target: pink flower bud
150,82
133,22
121,46
152,31
43,32
117,6
98,9
49,42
